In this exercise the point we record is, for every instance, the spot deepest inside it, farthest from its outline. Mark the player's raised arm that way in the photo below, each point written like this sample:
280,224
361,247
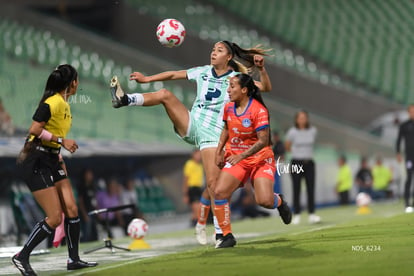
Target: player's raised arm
264,85
168,75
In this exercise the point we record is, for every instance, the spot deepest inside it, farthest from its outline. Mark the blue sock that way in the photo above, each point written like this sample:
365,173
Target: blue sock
205,201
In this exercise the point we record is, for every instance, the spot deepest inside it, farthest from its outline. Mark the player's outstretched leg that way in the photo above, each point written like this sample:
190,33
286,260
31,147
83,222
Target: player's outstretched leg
284,210
119,98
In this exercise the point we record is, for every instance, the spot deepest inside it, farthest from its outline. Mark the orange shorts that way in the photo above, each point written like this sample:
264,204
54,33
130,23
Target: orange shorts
244,172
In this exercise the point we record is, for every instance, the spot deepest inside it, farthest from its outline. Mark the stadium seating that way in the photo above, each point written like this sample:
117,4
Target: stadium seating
202,19
368,41
151,198
27,55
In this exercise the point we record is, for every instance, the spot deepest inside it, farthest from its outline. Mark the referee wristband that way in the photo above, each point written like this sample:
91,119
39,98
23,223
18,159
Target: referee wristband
45,135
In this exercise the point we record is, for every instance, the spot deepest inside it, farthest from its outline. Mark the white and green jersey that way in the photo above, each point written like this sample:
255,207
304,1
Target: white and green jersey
207,109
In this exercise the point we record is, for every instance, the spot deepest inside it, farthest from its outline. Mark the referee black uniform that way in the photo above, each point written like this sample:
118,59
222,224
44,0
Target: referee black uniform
406,133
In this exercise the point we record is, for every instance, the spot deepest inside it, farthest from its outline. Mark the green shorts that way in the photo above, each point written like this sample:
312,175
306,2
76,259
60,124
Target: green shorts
201,136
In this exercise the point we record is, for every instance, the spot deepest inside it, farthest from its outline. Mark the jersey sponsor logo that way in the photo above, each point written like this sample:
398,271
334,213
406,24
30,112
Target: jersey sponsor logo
212,93
205,77
246,122
202,106
235,140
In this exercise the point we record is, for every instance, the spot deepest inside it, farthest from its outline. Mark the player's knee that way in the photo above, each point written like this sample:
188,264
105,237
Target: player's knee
220,193
166,94
211,183
53,220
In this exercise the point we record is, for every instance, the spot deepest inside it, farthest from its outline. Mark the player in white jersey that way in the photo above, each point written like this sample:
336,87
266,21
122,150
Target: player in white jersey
203,124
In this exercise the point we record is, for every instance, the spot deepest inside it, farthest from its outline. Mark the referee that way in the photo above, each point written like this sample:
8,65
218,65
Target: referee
406,133
193,182
42,168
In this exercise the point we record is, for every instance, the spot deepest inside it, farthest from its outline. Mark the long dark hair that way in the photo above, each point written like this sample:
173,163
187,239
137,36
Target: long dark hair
237,66
59,80
246,56
254,92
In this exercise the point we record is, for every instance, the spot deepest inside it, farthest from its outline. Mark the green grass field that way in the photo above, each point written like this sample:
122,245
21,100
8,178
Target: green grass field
345,243
380,243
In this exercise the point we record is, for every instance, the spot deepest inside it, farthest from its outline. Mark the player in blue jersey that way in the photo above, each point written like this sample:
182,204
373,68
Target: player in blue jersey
203,124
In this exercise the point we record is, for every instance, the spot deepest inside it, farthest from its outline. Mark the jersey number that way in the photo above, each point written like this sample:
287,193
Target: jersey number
212,93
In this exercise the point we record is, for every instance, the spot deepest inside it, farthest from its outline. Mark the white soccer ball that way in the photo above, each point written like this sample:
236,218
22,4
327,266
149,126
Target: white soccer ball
170,33
137,228
363,199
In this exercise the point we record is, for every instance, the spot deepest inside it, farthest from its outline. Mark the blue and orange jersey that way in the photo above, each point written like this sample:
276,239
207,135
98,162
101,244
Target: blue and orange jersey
243,130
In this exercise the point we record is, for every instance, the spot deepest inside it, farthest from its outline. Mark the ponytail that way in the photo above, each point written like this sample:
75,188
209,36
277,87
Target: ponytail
245,56
59,80
238,67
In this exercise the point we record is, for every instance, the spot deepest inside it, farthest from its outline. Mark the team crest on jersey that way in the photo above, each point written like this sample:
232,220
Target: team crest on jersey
246,122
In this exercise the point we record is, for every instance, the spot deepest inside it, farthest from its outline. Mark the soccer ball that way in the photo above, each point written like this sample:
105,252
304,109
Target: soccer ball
137,228
170,33
363,199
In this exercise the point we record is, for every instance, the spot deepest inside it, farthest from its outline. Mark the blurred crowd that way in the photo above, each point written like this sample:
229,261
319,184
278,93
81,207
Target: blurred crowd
376,180
95,194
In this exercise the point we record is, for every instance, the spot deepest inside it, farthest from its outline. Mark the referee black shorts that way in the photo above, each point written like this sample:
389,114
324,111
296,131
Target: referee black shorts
40,170
194,194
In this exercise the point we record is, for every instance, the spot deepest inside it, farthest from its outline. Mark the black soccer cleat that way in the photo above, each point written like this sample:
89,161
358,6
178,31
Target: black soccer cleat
119,98
80,264
219,237
227,241
284,211
23,266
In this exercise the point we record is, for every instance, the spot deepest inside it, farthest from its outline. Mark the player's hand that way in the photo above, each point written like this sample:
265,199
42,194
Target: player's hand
138,77
70,145
234,159
220,160
258,61
399,158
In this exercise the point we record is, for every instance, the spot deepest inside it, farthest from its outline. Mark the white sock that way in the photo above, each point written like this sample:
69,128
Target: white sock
216,226
135,99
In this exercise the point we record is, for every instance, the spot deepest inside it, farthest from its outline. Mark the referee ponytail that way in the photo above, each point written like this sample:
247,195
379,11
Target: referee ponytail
59,80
